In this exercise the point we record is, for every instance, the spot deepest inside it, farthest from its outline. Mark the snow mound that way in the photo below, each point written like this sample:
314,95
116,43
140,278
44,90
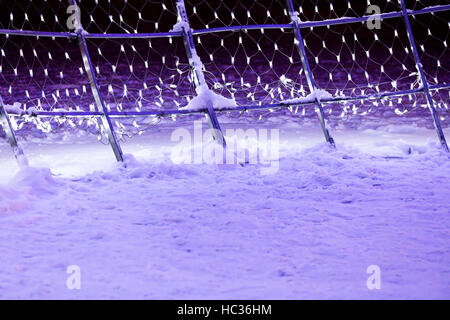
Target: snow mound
34,180
319,94
206,97
179,26
17,108
26,187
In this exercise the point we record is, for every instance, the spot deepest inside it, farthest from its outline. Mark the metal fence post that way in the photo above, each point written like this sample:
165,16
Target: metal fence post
308,72
423,79
106,121
198,75
9,131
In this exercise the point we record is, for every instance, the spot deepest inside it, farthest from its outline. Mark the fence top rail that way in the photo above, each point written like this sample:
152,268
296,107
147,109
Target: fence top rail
135,35
243,27
302,24
34,33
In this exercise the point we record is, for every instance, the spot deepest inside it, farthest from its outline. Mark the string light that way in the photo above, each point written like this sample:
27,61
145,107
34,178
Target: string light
264,65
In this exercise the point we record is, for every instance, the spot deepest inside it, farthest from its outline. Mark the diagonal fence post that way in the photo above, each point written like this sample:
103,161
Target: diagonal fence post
9,131
198,75
106,121
308,71
423,79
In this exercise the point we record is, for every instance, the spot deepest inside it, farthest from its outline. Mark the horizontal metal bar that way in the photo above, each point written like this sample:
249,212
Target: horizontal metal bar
133,35
438,8
303,24
86,114
347,20
326,101
56,114
382,16
125,114
89,35
328,22
154,113
244,27
38,33
380,95
440,86
262,107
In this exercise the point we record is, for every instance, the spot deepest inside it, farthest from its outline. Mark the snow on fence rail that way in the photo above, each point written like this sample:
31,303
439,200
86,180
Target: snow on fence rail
98,64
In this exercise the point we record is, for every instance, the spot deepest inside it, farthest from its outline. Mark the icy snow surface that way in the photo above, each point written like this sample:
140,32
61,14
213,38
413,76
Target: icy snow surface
156,230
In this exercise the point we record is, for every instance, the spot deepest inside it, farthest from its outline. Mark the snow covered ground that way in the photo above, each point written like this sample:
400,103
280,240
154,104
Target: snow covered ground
154,229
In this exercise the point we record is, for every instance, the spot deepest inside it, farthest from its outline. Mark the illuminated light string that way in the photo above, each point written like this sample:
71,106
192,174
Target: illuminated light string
339,85
252,66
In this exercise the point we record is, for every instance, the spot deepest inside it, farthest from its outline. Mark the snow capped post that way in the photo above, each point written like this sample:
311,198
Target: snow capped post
9,131
197,67
309,76
423,80
106,121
